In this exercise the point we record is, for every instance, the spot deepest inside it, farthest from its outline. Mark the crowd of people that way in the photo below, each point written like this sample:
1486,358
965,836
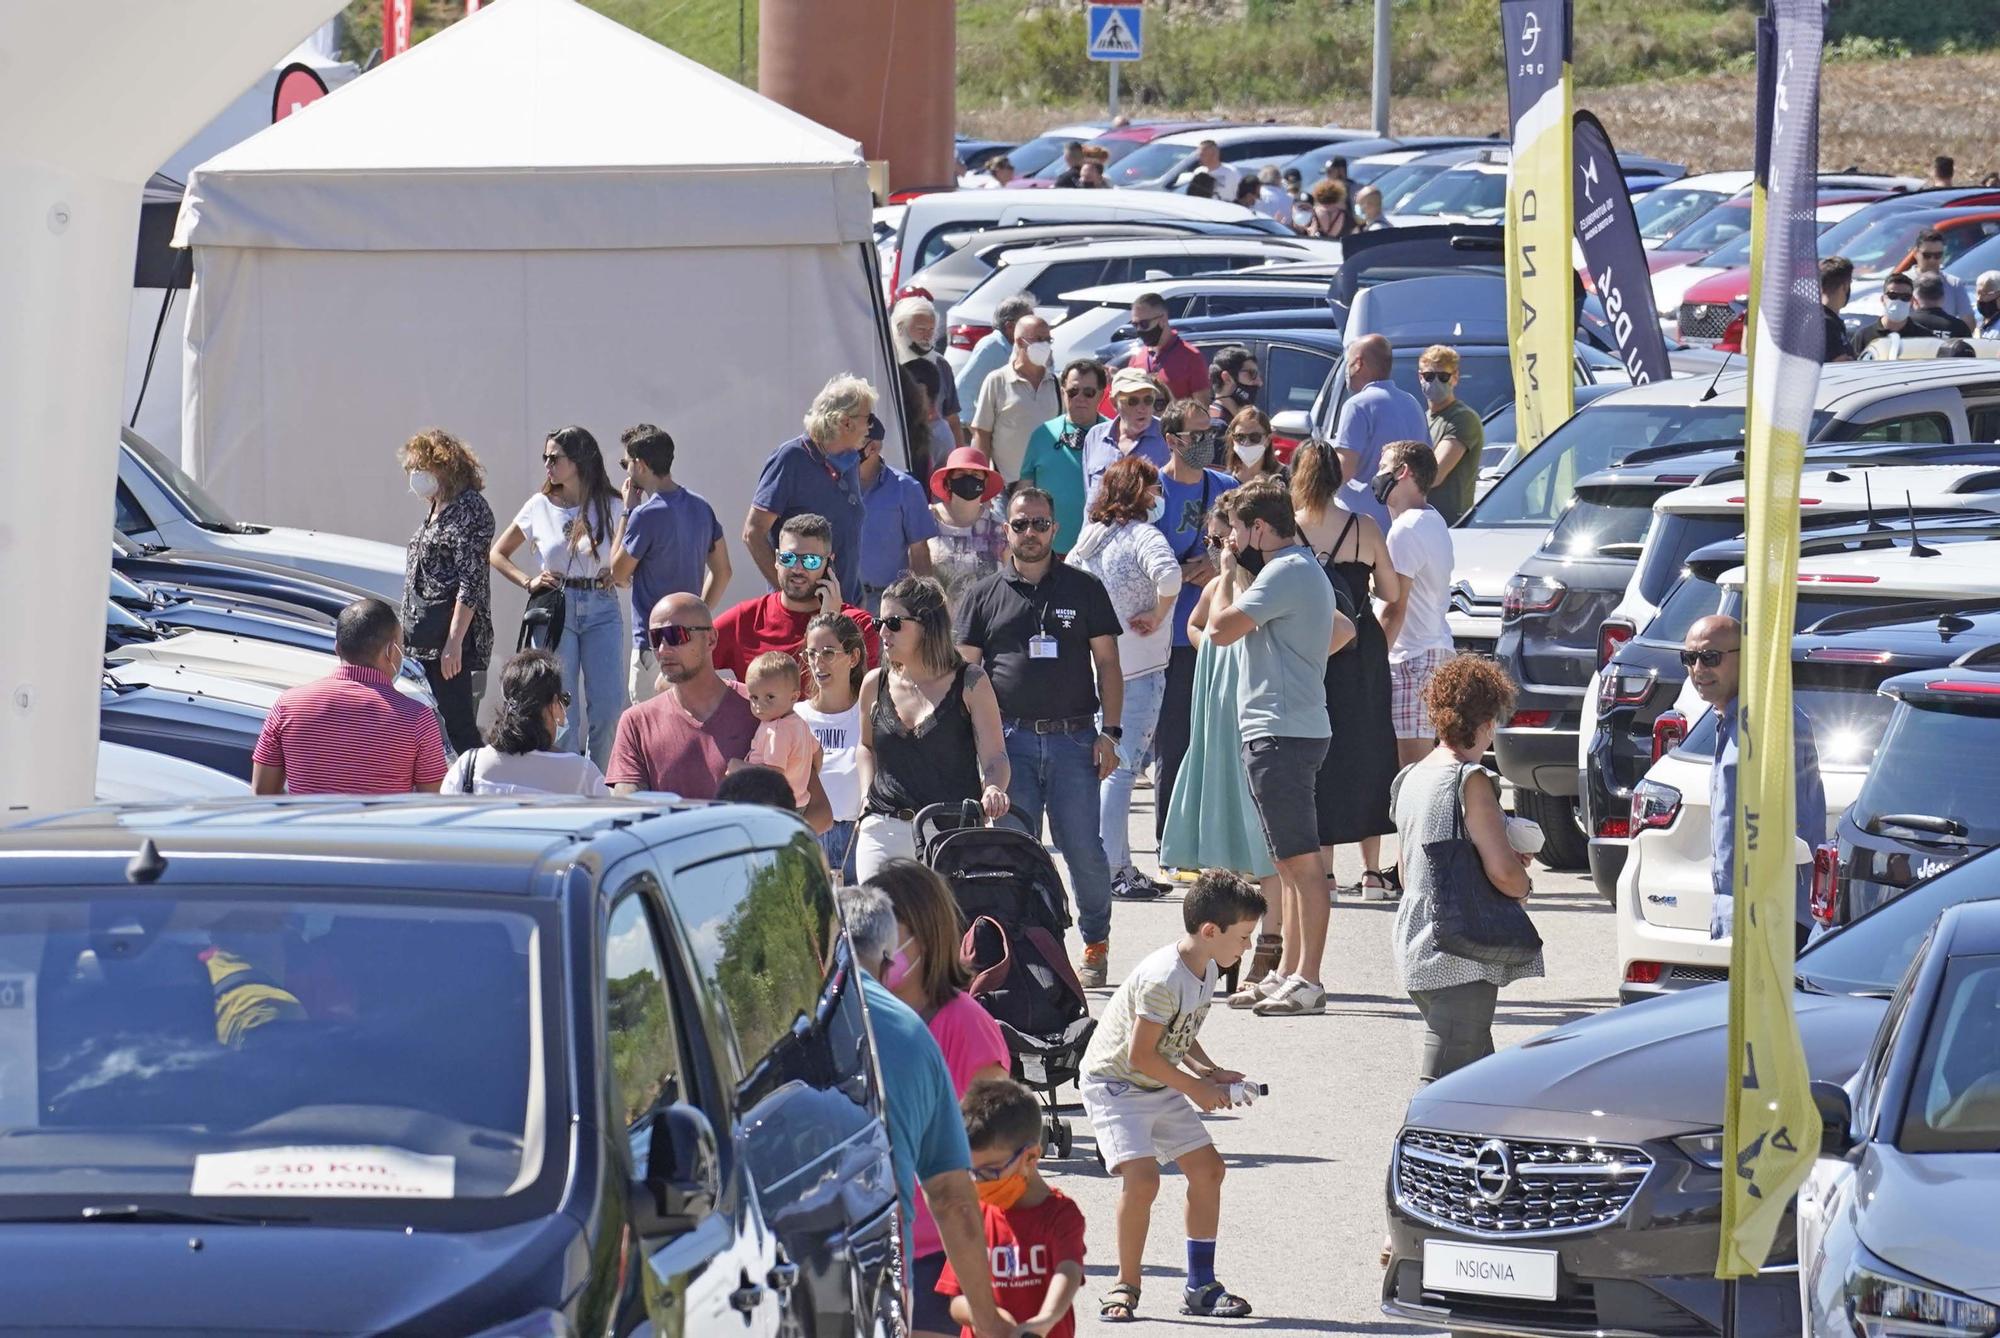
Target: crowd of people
1111,574
1924,301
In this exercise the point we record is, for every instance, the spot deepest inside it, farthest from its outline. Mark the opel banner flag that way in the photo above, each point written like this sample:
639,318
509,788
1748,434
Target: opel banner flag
1770,1128
1541,323
1608,232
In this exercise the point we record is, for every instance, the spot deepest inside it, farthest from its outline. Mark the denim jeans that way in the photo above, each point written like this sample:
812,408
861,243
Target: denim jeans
838,843
595,652
1141,718
1056,774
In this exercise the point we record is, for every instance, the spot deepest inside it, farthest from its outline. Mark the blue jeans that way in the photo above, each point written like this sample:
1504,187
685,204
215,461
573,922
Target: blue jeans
838,843
1057,774
595,652
1142,714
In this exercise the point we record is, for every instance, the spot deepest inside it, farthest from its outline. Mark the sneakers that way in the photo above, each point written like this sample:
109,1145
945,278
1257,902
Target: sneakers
1257,991
1096,965
1128,884
1294,998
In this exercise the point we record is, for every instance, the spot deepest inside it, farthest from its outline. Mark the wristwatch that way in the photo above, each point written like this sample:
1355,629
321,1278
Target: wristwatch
1115,733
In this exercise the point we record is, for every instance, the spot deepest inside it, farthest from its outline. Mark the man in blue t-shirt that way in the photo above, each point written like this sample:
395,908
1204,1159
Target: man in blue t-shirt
900,526
1377,412
926,1129
818,473
672,544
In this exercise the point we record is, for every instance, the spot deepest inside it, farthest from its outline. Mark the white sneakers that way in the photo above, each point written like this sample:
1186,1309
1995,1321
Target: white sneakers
1293,997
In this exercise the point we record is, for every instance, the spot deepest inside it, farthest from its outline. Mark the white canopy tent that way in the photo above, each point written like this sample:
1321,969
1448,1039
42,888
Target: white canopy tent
537,217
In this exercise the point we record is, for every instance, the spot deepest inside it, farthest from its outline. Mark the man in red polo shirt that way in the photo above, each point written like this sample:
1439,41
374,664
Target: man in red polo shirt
807,587
352,732
1165,356
683,740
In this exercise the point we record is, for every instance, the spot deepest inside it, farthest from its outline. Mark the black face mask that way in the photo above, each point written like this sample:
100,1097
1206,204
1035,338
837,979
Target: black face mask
1250,559
1989,306
1244,395
1151,338
1384,485
968,486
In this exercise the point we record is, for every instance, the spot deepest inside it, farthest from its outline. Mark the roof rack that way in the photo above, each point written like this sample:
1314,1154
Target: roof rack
1908,611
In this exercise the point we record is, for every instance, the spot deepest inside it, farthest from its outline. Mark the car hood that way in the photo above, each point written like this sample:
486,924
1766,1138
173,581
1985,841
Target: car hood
1914,1211
1484,559
1729,285
226,656
1661,1062
282,1279
1671,286
169,677
374,567
128,775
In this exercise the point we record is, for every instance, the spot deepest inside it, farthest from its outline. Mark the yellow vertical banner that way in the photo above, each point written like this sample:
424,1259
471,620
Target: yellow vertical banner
1541,320
1770,1127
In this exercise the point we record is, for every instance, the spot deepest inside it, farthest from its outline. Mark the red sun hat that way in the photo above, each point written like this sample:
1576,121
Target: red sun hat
964,458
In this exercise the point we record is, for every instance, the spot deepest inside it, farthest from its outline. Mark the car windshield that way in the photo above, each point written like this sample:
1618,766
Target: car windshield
1848,715
193,501
1029,159
1692,599
1604,522
1116,151
1875,244
1469,191
1399,185
1538,488
1955,1097
1665,211
1870,955
1717,228
1149,163
1907,779
1729,256
294,1055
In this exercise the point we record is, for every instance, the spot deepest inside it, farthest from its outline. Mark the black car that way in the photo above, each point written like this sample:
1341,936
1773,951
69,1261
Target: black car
176,570
211,731
1932,797
436,1066
1634,722
1592,1154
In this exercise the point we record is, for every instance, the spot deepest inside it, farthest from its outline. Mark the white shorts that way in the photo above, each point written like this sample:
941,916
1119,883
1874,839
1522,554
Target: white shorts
1133,1122
643,683
879,839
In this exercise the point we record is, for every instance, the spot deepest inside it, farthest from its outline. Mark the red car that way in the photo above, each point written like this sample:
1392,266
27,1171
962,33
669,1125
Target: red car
1118,143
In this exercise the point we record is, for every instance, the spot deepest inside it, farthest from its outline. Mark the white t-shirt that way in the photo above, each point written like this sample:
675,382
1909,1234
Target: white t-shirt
1160,989
1420,550
839,773
1227,178
547,527
489,771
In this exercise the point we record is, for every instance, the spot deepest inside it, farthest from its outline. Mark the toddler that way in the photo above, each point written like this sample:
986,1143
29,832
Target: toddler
783,741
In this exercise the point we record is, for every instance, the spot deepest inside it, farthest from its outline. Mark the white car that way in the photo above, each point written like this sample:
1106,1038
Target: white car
159,504
1168,162
885,225
1665,210
1472,192
127,775
1096,314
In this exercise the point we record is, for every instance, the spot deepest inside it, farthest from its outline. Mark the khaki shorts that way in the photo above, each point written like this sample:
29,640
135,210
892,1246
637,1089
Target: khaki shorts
644,682
1133,1123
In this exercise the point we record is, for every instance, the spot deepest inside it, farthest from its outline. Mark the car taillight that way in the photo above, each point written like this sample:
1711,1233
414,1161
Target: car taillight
1835,578
1643,973
1526,594
1963,685
1654,806
965,336
1284,447
1670,729
1621,689
1732,338
1614,829
1530,720
1611,634
1825,875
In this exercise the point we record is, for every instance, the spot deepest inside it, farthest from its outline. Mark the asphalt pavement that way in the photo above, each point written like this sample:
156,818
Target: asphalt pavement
1302,1208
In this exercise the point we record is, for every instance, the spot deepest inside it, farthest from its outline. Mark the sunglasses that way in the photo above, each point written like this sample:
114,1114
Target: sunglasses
1216,540
1250,438
1930,255
1081,392
563,697
1438,378
669,635
824,652
893,622
549,461
1039,524
1707,659
810,561
986,1175
1137,401
1149,323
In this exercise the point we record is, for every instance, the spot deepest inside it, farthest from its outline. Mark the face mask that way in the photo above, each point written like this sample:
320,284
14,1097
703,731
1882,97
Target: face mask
423,483
1040,352
1384,485
1989,306
899,967
1250,453
1245,396
1250,559
968,486
1895,309
1003,1193
1437,392
1196,449
1151,338
1158,511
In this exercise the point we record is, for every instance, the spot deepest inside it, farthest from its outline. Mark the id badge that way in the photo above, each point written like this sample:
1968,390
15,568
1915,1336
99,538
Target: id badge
1041,647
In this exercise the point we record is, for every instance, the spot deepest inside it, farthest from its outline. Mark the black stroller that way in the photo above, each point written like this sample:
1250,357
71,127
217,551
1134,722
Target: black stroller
1010,896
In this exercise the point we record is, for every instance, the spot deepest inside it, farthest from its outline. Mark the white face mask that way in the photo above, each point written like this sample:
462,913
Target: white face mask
1040,352
1896,309
1250,452
423,483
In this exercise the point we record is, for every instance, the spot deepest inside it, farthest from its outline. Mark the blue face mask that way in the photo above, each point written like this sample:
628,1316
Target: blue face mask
1159,510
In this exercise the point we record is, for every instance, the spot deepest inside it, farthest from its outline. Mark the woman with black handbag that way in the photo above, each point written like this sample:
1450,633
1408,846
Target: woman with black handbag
1462,930
447,584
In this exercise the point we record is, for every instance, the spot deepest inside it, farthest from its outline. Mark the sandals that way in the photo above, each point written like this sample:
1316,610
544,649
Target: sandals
1264,959
1120,1305
1381,884
1215,1301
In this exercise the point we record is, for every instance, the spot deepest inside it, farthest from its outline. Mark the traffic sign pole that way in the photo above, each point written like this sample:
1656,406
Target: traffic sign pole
1113,66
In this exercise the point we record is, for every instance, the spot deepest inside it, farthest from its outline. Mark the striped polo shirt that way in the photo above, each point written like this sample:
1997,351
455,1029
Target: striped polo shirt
351,733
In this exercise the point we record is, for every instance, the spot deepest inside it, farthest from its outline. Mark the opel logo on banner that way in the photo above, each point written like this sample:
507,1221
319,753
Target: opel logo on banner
1531,34
1493,1171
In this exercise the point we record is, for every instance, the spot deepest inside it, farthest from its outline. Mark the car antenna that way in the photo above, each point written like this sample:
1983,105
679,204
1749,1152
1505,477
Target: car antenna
147,865
1918,548
1875,524
1709,394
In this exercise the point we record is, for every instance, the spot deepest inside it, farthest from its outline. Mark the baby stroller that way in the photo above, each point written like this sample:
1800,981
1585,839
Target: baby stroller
1010,896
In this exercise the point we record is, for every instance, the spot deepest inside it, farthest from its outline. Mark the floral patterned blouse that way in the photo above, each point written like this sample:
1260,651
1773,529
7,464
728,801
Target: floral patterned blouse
446,560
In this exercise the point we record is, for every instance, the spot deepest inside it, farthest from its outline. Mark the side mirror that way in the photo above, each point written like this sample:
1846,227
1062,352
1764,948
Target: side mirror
1836,1114
1293,423
682,1178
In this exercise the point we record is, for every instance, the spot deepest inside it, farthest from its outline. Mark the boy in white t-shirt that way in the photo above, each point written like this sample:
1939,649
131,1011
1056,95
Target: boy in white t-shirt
1420,549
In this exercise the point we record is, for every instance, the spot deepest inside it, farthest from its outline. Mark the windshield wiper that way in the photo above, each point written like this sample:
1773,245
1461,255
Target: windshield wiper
1806,984
1920,822
134,1212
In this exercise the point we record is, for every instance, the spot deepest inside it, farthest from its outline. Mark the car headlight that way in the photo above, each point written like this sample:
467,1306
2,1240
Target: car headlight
1702,1149
1885,1302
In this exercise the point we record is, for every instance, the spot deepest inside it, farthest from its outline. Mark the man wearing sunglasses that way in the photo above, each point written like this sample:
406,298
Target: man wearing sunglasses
1134,429
807,587
1713,655
1166,357
683,740
1957,302
1457,437
1054,460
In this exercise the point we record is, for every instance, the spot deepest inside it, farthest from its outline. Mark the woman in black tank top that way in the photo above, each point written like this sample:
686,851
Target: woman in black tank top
930,727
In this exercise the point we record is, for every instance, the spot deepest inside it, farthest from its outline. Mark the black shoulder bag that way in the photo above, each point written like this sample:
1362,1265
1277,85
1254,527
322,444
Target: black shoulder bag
1475,919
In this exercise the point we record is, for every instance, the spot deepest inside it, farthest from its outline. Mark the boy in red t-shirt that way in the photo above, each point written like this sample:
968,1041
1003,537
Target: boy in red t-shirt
1034,1234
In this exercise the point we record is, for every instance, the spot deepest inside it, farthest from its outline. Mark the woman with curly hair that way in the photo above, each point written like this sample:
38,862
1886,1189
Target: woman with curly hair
521,757
447,585
1447,793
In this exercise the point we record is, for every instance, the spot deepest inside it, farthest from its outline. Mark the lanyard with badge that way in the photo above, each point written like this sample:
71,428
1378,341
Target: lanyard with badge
1042,646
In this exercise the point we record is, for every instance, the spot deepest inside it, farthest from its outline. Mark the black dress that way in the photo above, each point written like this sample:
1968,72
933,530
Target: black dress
935,763
1352,791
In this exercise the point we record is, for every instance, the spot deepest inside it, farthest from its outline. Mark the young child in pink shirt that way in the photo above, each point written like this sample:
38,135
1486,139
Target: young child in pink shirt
783,740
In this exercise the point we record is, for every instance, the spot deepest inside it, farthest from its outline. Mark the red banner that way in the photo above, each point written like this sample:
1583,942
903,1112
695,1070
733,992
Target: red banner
298,84
395,27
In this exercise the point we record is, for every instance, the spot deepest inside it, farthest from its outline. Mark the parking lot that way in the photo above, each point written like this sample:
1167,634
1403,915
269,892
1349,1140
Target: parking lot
1302,1219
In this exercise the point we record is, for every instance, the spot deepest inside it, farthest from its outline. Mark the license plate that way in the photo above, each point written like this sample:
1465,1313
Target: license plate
1489,1270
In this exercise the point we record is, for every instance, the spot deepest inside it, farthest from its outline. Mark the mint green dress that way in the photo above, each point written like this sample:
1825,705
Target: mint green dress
1211,821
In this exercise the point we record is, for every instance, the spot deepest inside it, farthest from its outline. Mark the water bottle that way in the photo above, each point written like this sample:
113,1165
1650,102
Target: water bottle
1246,1092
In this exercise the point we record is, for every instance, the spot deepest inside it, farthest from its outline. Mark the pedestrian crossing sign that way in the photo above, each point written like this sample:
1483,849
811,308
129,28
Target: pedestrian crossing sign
1115,32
